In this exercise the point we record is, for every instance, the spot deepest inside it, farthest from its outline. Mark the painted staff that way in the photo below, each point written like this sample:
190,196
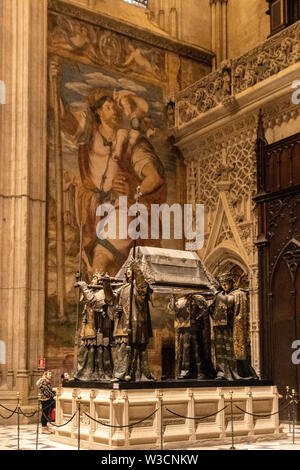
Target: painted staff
128,377
78,278
60,252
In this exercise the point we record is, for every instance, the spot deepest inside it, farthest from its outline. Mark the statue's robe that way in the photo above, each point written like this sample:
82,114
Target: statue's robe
231,335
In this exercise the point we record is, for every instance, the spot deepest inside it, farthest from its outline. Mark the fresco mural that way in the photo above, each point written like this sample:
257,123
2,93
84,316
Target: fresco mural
96,45
109,125
107,135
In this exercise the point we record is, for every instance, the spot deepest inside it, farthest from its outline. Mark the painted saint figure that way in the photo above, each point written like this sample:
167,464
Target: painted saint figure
105,178
194,342
230,313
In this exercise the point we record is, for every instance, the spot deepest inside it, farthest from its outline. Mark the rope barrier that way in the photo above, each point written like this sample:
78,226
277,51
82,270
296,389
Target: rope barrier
7,417
7,409
60,425
263,416
202,417
125,426
27,415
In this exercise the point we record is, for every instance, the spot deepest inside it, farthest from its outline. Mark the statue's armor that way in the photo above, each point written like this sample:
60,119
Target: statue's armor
193,330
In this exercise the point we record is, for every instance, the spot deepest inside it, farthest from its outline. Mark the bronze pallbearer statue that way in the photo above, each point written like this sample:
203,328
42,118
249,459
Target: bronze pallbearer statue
231,330
194,344
156,285
132,325
94,358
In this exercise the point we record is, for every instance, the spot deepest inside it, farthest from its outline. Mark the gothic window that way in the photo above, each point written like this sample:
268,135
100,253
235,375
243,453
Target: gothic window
140,3
283,13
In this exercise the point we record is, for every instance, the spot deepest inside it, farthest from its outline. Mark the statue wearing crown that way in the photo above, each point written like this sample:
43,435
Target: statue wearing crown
94,361
230,314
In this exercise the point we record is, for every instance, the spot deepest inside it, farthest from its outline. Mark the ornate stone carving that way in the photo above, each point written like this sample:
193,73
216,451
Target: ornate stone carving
270,58
204,94
240,155
226,232
221,86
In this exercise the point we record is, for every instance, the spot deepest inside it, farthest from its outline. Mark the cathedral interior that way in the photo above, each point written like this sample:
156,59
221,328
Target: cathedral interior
214,87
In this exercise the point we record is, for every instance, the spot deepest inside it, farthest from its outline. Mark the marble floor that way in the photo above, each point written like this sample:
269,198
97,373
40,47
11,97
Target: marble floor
27,441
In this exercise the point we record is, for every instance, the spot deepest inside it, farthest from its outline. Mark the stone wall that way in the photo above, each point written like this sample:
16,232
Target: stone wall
22,193
248,25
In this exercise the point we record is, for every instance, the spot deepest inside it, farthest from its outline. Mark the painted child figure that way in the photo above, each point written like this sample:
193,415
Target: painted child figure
134,109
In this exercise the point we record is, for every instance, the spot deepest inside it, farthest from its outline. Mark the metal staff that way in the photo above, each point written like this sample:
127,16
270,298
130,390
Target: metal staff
78,278
231,419
137,197
78,428
39,410
18,425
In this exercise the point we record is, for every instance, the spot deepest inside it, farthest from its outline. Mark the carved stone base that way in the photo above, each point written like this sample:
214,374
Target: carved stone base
153,413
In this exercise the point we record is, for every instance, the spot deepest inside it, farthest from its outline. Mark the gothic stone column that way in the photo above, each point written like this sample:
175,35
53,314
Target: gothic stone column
23,68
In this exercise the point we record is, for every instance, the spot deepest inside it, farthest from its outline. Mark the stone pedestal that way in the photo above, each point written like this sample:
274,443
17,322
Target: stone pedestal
162,410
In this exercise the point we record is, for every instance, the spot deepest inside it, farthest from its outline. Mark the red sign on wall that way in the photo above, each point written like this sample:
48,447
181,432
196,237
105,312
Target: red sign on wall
41,363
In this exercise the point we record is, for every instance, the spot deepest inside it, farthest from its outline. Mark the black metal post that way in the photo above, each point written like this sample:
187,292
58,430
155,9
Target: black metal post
18,411
39,408
287,397
161,427
231,419
78,428
294,413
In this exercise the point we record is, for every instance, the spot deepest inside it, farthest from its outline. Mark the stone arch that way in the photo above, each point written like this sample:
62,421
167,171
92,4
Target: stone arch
225,252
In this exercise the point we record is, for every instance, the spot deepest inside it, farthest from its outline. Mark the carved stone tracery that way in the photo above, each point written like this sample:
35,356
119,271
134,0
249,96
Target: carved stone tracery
232,78
276,54
205,94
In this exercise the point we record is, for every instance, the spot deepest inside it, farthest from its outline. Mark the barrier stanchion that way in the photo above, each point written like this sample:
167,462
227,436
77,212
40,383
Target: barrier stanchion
294,403
161,426
287,397
39,409
78,429
18,419
231,418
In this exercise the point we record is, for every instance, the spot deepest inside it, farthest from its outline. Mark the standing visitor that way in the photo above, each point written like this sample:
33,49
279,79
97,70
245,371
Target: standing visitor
47,399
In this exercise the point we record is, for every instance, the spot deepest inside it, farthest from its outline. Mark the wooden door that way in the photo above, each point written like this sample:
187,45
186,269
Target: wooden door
285,307
278,202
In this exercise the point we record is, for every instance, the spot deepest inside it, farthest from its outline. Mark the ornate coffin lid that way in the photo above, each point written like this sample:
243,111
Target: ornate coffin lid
172,270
